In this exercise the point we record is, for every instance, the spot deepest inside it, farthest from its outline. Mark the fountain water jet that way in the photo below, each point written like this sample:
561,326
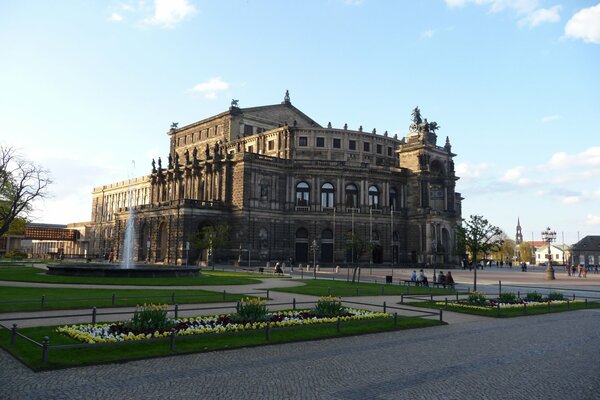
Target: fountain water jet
129,239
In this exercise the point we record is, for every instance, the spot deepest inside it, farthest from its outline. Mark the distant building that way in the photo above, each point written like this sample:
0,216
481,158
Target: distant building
288,188
559,253
586,251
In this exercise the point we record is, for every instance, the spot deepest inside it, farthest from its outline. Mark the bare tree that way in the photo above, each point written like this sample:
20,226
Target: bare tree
21,183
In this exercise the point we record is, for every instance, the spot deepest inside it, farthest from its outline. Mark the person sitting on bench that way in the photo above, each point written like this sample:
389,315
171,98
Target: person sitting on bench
441,279
413,277
449,279
422,279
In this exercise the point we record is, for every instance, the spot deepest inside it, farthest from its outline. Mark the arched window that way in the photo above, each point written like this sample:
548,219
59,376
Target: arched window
393,199
351,196
327,195
326,234
373,197
301,233
302,194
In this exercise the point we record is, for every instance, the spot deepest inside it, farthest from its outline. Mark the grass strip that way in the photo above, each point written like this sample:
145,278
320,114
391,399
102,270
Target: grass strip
209,278
31,355
67,298
510,312
322,287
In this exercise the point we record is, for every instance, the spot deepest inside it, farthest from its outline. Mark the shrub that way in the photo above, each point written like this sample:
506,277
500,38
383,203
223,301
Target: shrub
150,318
507,297
477,298
251,310
534,296
554,296
15,253
329,306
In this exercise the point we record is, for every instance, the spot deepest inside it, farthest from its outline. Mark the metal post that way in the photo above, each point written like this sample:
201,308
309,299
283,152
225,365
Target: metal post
446,303
395,319
224,295
43,301
94,315
337,324
267,327
499,288
294,303
45,344
176,311
173,334
401,299
13,334
267,294
384,308
441,316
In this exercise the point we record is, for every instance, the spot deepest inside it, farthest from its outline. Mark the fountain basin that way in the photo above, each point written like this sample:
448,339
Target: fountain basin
114,271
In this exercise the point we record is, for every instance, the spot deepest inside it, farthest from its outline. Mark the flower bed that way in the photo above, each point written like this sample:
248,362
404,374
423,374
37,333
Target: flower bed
494,304
119,331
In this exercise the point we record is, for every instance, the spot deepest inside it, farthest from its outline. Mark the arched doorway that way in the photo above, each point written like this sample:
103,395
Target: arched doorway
327,246
301,245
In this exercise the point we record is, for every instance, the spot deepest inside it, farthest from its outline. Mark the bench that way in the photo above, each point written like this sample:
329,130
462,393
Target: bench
444,284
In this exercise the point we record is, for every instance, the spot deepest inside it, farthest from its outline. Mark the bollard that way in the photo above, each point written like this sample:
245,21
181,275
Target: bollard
173,334
384,308
301,273
176,311
337,269
446,301
267,294
267,327
43,301
224,295
94,316
441,316
13,334
337,325
113,299
431,296
45,344
395,320
573,296
294,303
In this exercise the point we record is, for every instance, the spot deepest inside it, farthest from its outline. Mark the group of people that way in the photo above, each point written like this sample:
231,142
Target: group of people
279,265
580,270
421,278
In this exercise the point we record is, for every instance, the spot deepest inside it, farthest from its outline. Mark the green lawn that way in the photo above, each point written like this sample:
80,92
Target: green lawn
322,287
510,312
67,298
30,274
32,355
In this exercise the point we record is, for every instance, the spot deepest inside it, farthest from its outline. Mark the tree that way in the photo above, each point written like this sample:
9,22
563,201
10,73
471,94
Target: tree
21,183
525,252
358,247
210,237
479,237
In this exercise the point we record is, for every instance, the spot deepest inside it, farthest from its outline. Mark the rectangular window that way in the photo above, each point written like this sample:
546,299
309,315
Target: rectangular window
302,141
337,143
320,142
352,145
389,151
250,149
248,130
366,147
271,144
379,149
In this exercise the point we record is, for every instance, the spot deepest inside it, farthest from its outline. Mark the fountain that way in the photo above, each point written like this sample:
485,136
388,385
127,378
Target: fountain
127,267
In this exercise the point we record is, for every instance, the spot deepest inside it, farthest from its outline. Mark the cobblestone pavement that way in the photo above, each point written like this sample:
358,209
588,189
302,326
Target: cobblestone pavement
553,356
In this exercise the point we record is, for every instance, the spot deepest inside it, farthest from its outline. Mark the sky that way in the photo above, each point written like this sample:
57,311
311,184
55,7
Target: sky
89,89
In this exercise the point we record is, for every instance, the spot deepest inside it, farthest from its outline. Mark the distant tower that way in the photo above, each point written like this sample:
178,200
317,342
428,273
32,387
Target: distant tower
519,236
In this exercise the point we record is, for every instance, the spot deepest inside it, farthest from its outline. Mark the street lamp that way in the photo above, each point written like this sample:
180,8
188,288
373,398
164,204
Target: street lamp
549,236
314,251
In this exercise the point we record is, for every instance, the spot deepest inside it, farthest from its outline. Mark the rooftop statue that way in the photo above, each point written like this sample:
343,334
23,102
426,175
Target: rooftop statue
153,165
159,164
416,114
286,98
234,103
174,125
433,126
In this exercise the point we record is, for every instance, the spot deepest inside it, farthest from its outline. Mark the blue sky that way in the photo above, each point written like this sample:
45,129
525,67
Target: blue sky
87,87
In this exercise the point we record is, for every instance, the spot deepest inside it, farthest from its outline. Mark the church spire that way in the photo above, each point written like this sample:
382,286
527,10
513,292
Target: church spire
519,235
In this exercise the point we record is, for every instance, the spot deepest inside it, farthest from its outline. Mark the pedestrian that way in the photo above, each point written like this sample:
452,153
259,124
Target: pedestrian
568,270
580,269
585,269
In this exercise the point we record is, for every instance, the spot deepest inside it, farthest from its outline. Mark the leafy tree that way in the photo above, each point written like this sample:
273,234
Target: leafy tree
21,183
211,238
358,247
525,252
479,237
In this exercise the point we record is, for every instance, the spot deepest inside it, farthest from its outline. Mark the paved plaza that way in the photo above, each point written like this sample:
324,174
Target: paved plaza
552,356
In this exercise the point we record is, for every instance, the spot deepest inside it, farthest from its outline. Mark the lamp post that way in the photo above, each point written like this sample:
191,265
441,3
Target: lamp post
549,236
314,251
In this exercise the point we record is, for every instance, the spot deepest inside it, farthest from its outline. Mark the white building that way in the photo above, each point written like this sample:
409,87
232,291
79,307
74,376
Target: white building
559,254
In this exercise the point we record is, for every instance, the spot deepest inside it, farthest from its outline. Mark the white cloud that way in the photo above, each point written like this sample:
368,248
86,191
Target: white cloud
548,118
115,17
211,87
528,10
428,34
542,15
585,25
168,13
470,171
512,175
571,199
587,158
592,219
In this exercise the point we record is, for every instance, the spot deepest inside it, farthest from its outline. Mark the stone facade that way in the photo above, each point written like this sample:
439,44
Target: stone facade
288,187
